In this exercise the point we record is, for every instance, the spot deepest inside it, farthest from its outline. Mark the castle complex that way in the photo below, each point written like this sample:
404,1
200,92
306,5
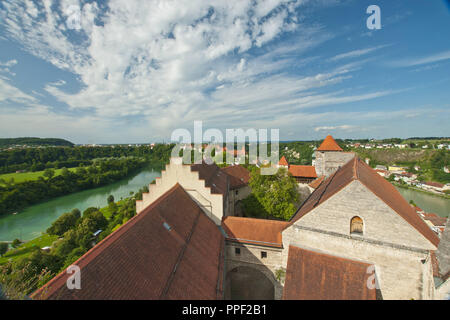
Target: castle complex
354,237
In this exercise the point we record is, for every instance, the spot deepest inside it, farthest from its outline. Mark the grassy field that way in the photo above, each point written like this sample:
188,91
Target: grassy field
27,248
20,177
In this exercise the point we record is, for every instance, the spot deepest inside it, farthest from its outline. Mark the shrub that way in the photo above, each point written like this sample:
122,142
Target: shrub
16,243
3,248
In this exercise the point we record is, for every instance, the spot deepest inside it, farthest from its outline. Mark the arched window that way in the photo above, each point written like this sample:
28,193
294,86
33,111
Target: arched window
356,225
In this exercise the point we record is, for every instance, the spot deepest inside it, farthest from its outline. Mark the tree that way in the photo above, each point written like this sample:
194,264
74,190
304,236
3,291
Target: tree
64,223
93,218
277,193
16,243
110,198
49,173
253,208
3,248
65,172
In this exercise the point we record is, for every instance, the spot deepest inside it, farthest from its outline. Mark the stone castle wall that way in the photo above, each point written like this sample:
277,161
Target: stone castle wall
398,251
327,162
234,197
250,256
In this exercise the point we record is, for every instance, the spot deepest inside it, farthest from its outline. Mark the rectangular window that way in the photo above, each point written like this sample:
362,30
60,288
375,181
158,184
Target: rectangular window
237,251
263,254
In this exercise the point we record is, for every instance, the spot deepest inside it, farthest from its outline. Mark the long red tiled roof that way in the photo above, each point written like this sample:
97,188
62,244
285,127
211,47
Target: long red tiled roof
311,275
171,250
434,184
303,171
357,169
329,144
283,162
254,231
435,219
239,176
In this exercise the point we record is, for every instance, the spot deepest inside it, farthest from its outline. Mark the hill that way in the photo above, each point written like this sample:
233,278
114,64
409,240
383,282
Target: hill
31,141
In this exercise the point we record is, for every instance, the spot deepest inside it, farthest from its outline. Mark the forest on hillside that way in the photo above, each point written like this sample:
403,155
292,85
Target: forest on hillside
31,141
38,159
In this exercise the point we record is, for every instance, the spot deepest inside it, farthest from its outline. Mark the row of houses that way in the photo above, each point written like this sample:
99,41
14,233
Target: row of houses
440,146
378,146
400,174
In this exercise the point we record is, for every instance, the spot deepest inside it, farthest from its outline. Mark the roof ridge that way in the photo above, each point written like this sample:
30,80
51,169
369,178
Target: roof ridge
257,219
411,213
355,168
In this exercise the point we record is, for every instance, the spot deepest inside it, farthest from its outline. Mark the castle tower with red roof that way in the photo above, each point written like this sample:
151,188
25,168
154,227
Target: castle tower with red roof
283,163
329,157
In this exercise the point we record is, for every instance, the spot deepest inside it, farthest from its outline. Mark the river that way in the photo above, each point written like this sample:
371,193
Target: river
427,202
30,222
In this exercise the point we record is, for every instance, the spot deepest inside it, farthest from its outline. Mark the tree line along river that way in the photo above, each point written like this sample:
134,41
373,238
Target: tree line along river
30,222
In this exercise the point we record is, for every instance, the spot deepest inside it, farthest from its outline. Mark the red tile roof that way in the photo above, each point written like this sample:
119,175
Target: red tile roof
213,176
239,176
311,275
434,184
434,264
254,231
329,144
143,259
316,183
435,219
357,169
283,162
303,171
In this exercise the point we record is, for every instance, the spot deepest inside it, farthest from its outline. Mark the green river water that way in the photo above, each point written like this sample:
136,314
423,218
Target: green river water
29,223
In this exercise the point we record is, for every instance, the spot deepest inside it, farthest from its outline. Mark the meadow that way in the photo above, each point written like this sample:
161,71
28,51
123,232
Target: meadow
27,176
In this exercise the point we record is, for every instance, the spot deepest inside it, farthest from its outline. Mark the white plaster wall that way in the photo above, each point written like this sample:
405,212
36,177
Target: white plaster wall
176,172
443,291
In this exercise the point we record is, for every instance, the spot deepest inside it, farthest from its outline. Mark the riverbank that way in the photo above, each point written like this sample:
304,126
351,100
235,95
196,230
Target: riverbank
30,222
422,190
19,196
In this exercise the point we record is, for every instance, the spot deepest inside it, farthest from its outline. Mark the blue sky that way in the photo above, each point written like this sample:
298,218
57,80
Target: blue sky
123,72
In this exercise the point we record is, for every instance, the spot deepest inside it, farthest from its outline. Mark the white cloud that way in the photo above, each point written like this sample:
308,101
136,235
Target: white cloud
5,67
9,63
13,94
331,128
172,62
410,62
356,53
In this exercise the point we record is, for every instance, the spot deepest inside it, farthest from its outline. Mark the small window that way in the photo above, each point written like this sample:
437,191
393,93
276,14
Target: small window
237,192
237,251
263,254
356,226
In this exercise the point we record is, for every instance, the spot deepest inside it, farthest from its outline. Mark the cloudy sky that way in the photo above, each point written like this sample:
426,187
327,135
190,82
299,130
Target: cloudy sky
133,71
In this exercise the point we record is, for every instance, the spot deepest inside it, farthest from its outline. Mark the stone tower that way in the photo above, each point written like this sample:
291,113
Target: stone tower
329,157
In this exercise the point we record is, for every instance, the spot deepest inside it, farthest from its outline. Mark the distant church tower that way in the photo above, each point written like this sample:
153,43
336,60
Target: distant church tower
329,157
